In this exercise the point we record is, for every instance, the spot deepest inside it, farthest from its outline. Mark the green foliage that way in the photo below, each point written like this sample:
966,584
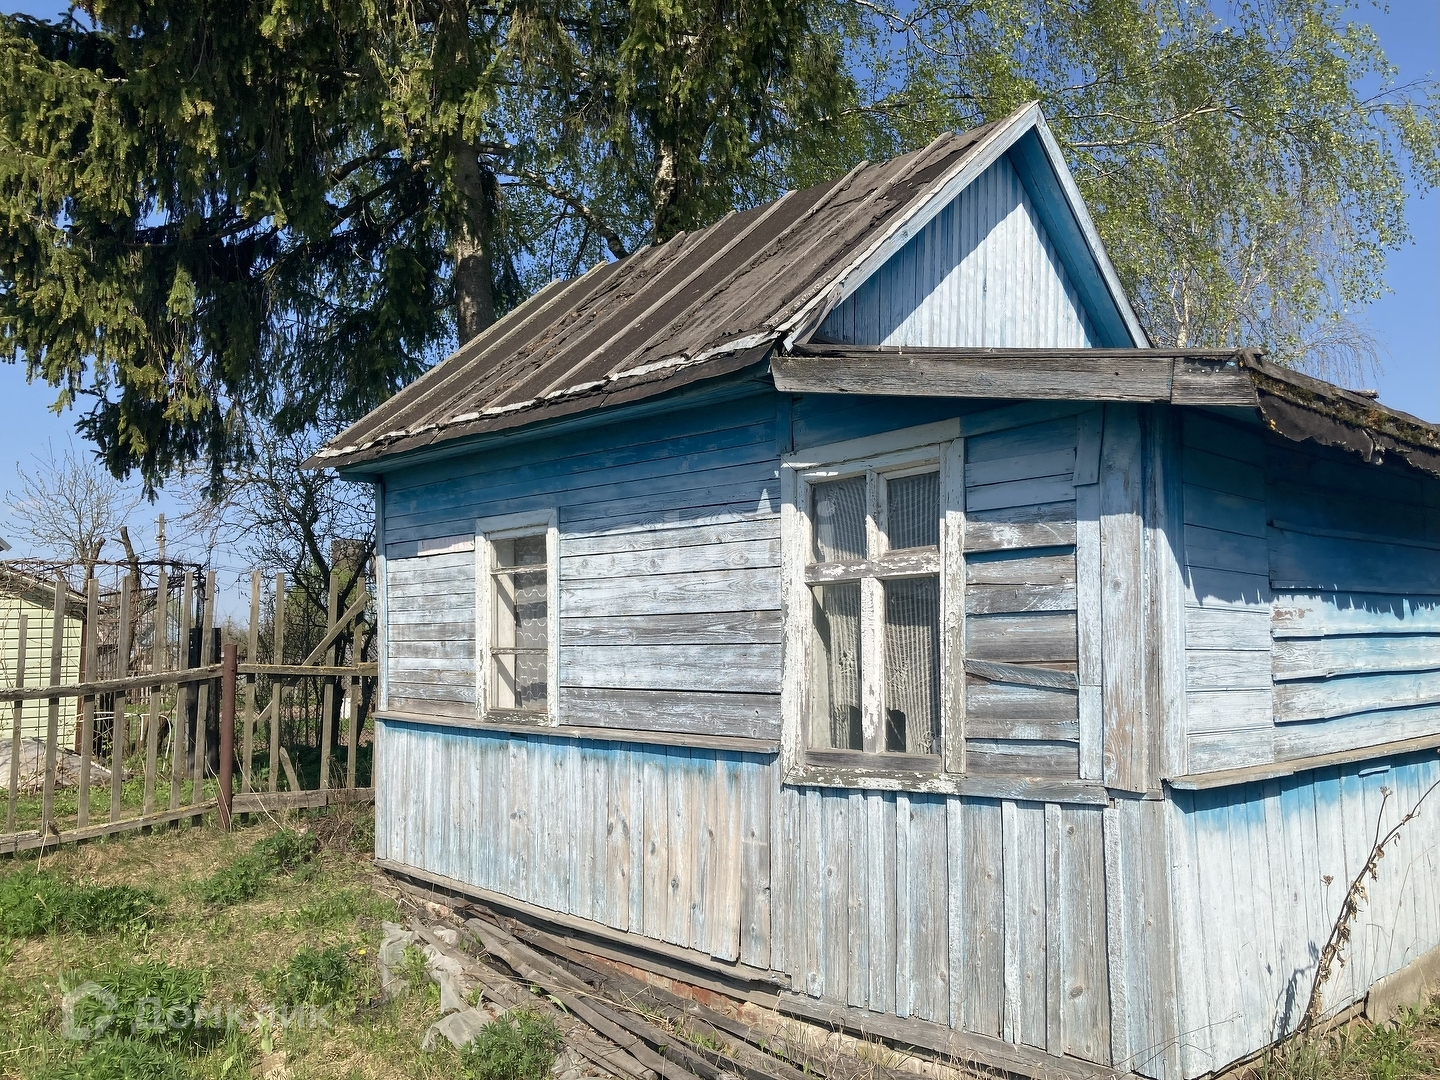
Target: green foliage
313,977
40,902
521,1045
149,1000
241,879
123,1059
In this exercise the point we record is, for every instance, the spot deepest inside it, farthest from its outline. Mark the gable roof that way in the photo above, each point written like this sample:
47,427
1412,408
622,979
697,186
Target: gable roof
711,302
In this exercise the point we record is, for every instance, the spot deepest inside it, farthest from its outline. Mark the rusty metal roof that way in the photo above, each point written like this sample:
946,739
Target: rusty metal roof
700,305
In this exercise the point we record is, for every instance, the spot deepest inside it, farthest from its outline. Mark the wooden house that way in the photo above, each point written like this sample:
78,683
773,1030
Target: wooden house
22,595
844,606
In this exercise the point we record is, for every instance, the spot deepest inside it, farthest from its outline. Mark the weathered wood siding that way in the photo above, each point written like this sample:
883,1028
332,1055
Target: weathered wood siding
1313,614
985,915
430,624
669,566
1260,873
1355,571
982,272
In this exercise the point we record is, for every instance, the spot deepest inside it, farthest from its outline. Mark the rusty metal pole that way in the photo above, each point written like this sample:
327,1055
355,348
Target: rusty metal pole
228,664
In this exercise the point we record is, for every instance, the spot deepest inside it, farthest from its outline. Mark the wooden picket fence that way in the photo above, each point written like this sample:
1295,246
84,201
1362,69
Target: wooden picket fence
142,762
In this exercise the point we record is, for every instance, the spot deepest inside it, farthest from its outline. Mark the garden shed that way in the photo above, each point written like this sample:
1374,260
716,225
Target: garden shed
845,606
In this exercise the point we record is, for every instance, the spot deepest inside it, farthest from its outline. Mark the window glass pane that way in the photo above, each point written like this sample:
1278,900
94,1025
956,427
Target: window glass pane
912,665
835,674
519,633
838,513
912,509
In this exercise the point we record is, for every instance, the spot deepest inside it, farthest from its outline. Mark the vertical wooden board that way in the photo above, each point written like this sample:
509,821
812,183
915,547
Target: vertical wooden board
880,907
955,907
1297,814
1089,633
835,891
984,899
1287,912
655,920
727,871
755,861
1220,918
1118,901
1192,1001
857,896
518,816
683,831
904,908
784,855
1080,912
809,913
1056,900
1165,634
586,820
930,887
1248,872
702,783
617,838
1122,572
1023,837
638,822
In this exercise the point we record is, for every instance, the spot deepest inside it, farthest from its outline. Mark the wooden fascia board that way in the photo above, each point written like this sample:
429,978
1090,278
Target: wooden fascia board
899,232
1025,375
1067,220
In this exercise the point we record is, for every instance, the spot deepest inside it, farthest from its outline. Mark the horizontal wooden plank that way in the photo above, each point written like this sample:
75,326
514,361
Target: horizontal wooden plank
1203,468
431,546
981,536
729,668
1046,567
1228,710
1054,760
693,711
704,628
928,371
455,609
1003,445
1227,669
737,555
1304,763
1037,636
995,599
439,629
1023,788
1047,489
1006,701
909,562
1227,589
1210,751
1339,476
1356,730
667,535
1021,674
1212,549
1316,614
1227,628
638,736
1042,730
1198,383
1325,698
12,843
1239,442
1303,561
673,594
1221,510
1051,463
1303,507
1322,658
440,648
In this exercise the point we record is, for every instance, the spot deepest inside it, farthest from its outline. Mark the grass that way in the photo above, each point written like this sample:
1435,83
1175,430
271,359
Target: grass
1359,1051
292,965
520,1045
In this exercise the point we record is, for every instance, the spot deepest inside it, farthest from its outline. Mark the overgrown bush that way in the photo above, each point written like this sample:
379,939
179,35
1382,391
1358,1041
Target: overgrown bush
283,851
150,1001
39,902
123,1059
313,977
521,1045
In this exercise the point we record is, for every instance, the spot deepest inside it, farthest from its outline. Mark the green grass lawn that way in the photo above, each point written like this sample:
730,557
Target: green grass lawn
233,925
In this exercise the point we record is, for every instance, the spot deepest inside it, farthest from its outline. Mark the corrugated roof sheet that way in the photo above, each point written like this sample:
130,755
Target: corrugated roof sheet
698,306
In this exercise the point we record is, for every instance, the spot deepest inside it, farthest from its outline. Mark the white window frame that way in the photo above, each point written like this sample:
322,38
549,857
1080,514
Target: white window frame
892,454
508,527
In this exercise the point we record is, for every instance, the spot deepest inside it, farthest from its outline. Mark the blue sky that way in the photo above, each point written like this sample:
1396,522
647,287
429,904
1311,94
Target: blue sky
1406,321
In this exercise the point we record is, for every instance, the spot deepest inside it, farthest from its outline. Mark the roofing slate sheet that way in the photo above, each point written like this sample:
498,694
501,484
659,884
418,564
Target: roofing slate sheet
661,318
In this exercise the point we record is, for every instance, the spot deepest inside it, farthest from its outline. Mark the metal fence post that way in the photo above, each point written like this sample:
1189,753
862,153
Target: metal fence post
228,664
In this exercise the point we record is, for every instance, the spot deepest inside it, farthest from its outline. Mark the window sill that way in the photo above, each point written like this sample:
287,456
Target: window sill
512,726
1080,792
